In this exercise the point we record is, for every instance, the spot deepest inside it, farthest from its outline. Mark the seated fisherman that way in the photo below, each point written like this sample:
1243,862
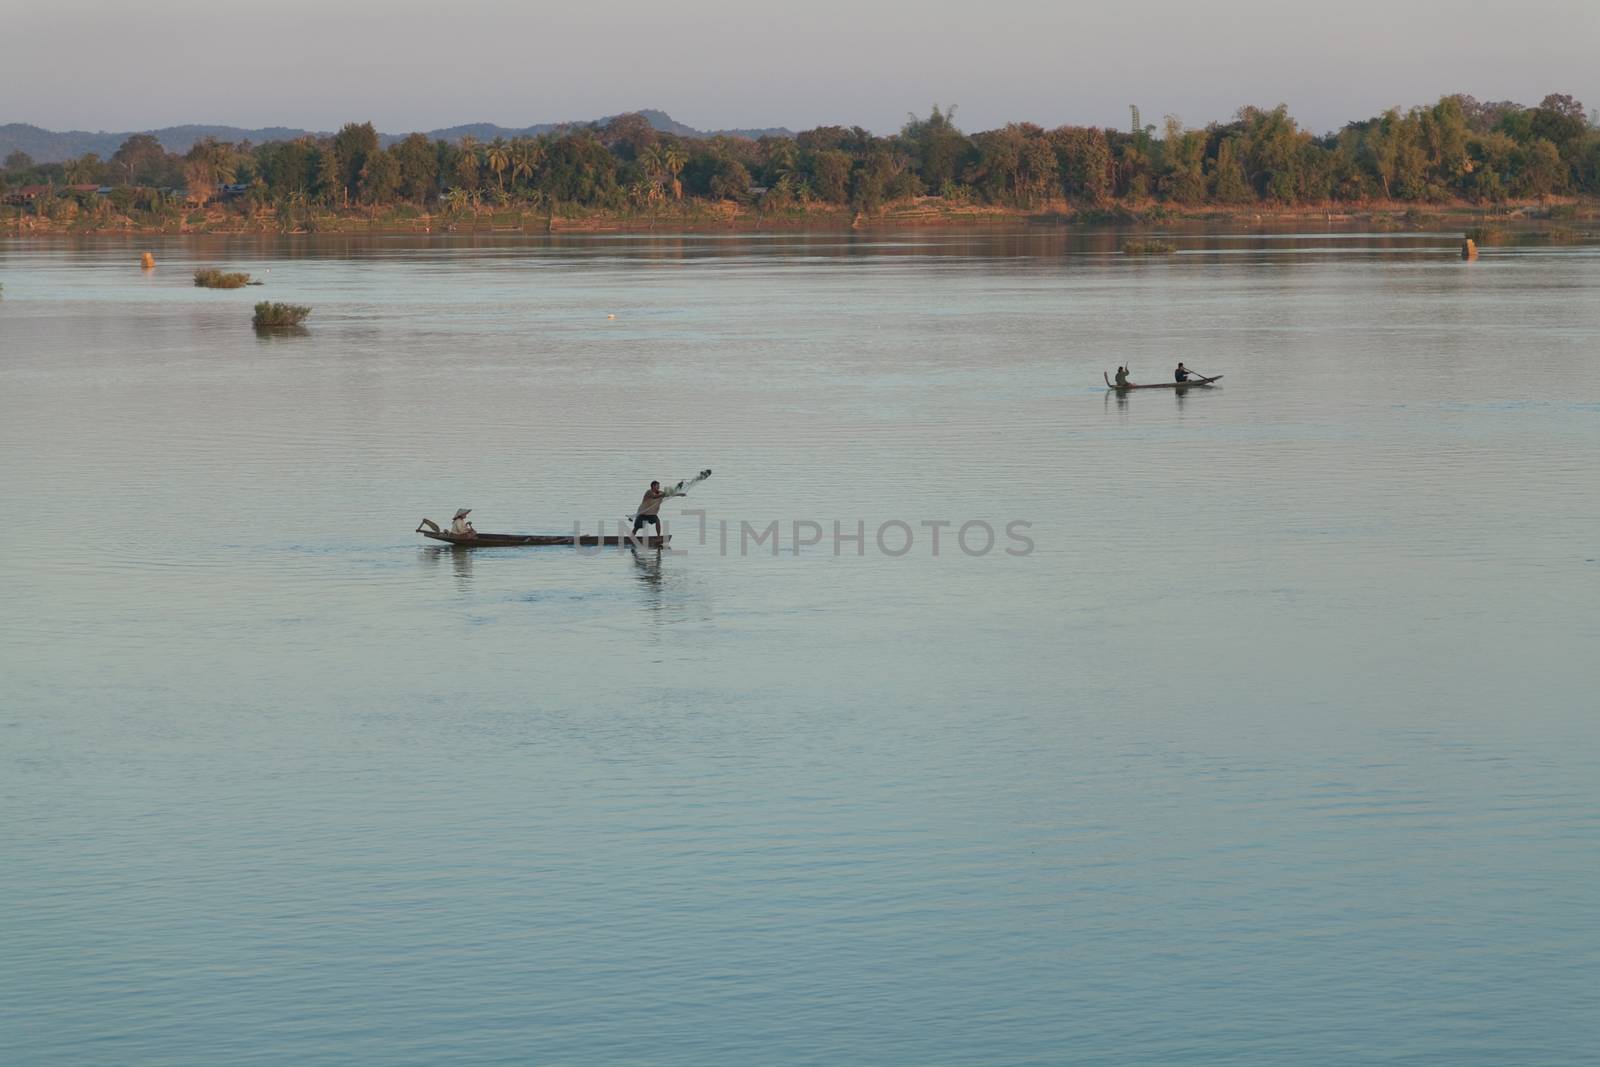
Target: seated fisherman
460,526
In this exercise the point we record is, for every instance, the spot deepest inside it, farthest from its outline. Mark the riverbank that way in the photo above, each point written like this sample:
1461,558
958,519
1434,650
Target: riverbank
702,215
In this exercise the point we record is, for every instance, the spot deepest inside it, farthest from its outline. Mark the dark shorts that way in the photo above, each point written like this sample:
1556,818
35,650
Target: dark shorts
640,520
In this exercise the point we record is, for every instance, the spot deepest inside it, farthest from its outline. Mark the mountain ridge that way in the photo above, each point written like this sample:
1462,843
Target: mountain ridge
56,146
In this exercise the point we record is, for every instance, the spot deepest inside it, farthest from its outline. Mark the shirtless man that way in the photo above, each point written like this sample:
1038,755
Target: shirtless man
650,507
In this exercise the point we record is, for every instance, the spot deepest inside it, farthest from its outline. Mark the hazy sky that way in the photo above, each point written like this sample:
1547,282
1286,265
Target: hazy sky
410,65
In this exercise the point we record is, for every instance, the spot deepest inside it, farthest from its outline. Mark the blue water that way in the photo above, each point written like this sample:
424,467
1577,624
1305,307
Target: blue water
1279,746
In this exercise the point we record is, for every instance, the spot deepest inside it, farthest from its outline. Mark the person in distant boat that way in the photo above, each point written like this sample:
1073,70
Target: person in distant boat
1181,374
461,526
1122,377
650,508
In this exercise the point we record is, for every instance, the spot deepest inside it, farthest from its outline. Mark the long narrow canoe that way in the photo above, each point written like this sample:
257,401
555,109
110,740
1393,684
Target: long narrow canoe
1158,385
497,540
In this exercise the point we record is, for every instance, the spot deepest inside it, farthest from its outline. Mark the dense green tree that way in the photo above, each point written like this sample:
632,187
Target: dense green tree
937,148
287,167
1229,183
1272,152
1037,169
353,144
629,135
997,155
882,176
729,180
329,181
1183,177
1133,165
823,139
830,175
1084,162
83,170
1540,170
780,159
380,178
417,168
140,160
578,169
468,171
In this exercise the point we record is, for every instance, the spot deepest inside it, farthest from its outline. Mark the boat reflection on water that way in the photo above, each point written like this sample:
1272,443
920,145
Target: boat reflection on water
648,573
460,562
647,569
646,564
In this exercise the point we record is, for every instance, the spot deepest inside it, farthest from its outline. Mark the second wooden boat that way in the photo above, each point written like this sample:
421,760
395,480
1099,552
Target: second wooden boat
1159,385
499,540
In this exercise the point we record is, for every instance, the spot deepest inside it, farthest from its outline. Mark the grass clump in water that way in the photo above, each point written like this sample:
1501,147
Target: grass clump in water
1486,235
1148,248
211,278
276,316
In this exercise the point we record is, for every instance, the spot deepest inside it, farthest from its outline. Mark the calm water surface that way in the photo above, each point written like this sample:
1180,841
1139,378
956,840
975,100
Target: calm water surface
1280,747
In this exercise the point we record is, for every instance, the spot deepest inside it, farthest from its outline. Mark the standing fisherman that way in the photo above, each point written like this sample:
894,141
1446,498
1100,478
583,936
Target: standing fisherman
650,508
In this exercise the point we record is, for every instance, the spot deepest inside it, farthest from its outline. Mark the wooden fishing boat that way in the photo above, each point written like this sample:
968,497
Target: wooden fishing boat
499,540
1158,385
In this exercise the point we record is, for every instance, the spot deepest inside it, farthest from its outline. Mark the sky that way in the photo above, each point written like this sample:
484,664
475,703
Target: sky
409,65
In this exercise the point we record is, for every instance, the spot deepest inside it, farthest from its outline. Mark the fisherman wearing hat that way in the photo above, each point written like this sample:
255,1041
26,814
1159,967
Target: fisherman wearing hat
461,527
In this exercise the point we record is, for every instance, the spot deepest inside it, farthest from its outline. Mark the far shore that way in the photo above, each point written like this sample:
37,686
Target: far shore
1568,215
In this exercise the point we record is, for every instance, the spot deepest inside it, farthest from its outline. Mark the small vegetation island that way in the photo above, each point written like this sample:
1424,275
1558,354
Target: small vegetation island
624,171
211,278
1148,247
270,316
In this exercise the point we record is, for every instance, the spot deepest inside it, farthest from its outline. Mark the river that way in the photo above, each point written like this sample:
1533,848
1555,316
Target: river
1250,725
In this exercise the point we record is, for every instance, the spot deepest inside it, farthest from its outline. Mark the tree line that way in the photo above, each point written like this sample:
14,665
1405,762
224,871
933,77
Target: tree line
1456,149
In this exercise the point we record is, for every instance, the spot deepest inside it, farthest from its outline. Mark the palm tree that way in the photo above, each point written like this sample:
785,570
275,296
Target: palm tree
467,165
210,164
783,160
526,155
498,159
675,158
654,161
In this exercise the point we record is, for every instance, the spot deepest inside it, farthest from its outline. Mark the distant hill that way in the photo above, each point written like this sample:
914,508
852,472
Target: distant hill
488,131
51,146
